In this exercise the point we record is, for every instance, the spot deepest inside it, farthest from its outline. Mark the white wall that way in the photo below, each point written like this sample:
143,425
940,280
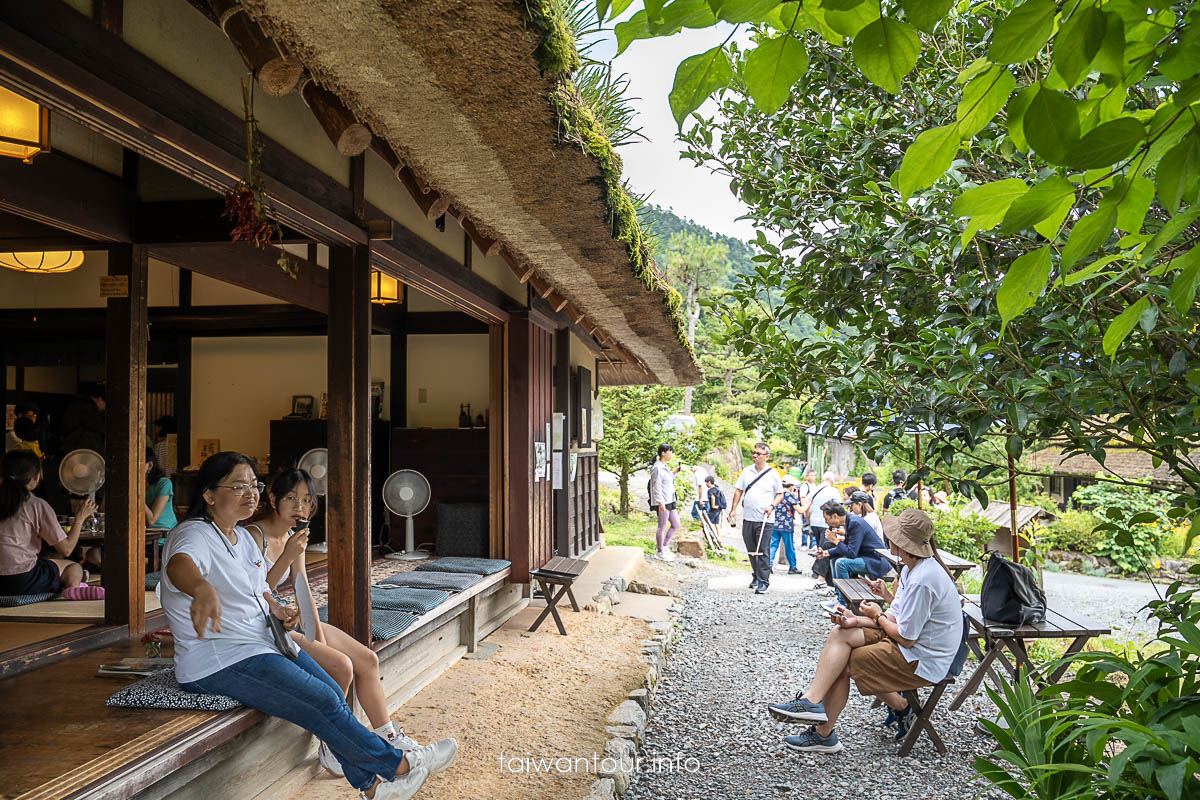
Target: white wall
240,384
451,370
80,288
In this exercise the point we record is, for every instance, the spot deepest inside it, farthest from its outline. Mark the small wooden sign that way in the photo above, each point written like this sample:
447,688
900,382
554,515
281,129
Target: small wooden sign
114,286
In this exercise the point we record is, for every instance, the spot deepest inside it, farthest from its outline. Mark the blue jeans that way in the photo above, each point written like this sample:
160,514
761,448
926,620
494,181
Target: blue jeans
848,568
789,547
303,693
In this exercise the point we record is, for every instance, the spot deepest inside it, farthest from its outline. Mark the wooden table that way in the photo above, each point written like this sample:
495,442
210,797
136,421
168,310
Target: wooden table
857,590
998,638
562,572
956,565
152,537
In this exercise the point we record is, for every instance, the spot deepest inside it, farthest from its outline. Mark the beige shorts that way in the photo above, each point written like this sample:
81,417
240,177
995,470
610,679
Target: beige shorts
879,666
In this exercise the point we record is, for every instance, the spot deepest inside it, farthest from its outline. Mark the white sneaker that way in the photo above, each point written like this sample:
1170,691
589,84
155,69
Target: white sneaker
397,737
667,555
829,606
435,757
329,761
402,787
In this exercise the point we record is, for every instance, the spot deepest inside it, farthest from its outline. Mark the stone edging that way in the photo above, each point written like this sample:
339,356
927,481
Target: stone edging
626,725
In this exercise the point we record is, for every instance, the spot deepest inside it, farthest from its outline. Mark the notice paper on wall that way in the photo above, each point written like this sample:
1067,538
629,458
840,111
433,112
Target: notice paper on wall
556,472
574,465
539,461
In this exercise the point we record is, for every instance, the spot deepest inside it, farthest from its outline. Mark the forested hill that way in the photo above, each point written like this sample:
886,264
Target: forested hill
663,222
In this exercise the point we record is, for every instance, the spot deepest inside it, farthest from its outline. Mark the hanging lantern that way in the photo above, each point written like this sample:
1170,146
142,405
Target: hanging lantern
50,262
385,289
24,126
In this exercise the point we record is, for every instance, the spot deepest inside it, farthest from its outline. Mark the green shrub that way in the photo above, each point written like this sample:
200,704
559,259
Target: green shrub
1073,530
1139,543
964,535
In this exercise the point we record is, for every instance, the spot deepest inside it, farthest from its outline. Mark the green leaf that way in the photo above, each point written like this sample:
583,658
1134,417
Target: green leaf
886,51
1110,60
1183,288
1106,144
1089,233
983,98
990,198
1051,125
1019,36
742,10
1016,109
1091,269
1121,327
1177,173
1040,204
1136,196
772,69
1172,228
1077,43
1182,60
631,30
696,79
680,14
849,23
1014,445
1022,285
925,13
1170,778
927,159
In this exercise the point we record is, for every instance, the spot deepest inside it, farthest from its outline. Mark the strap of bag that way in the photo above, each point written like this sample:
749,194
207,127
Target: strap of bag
750,486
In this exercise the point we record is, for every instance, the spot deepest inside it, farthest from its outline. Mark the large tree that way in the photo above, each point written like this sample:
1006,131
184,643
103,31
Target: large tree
694,262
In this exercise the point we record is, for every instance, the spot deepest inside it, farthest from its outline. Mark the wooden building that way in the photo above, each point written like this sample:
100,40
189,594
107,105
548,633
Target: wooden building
439,145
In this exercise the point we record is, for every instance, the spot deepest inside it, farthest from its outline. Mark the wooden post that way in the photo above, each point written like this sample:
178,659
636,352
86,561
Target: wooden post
498,479
348,500
920,484
125,445
183,381
562,404
1012,509
399,367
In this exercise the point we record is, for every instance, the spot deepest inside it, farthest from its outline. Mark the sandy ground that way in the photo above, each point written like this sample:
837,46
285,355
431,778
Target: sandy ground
539,696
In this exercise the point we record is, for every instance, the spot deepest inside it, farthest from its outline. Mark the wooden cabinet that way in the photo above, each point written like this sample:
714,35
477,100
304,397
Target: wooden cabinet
453,460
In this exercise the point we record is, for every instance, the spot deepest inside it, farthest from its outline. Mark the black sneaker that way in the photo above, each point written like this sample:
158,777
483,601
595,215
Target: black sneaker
904,721
794,571
762,589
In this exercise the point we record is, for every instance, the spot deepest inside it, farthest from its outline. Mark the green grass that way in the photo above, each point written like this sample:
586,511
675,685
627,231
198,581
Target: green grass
638,531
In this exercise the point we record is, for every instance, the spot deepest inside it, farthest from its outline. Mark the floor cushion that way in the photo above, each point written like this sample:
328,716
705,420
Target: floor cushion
161,690
385,624
10,600
407,598
449,581
474,566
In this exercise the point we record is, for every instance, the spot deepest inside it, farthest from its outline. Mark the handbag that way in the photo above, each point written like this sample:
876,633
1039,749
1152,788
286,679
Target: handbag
1010,594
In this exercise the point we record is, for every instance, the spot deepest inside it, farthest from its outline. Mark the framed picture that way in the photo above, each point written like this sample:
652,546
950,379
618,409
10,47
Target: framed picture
302,405
583,415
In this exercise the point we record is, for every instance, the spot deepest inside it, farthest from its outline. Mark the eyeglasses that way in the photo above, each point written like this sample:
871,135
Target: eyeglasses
760,453
240,489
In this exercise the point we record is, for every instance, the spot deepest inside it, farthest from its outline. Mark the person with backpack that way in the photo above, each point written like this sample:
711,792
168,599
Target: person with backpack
898,492
785,525
760,490
716,502
823,494
663,501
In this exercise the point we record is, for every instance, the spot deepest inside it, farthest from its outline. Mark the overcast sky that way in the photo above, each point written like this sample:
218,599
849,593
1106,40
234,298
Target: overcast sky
654,166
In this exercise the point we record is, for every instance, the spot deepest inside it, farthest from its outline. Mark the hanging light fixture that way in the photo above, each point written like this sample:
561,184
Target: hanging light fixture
385,289
51,262
24,126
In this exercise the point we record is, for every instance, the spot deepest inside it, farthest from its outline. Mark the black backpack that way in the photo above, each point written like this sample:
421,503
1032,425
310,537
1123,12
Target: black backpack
1010,594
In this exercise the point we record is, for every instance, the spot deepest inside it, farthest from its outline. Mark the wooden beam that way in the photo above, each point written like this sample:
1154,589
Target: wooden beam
443,322
192,221
489,247
124,578
276,72
245,265
562,304
349,507
429,201
349,136
69,195
398,368
110,15
183,382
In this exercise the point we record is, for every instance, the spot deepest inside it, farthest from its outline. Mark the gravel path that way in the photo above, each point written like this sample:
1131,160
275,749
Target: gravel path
738,652
1117,603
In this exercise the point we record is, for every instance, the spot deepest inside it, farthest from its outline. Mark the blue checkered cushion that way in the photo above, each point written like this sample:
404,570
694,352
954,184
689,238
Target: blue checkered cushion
10,600
161,690
152,580
466,564
449,581
385,624
406,598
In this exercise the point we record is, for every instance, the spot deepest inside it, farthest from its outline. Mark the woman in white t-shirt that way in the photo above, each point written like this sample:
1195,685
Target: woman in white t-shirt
663,501
216,598
912,645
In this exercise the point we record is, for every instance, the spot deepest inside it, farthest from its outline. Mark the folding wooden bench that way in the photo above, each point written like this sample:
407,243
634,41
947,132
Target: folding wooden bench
562,572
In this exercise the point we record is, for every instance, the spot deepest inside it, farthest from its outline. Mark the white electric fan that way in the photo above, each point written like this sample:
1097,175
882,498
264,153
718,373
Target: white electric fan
82,472
316,463
406,493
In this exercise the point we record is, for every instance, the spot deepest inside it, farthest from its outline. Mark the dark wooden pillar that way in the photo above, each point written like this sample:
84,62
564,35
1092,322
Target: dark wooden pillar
518,422
183,381
125,442
562,405
497,442
348,515
399,367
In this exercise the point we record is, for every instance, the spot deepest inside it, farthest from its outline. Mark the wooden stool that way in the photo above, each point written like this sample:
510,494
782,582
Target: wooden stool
561,572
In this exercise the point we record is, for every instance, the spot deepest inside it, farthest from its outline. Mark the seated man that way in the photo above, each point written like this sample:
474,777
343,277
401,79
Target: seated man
910,646
856,554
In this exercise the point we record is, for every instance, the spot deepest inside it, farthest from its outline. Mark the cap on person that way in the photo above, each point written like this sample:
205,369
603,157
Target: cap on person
788,480
911,530
860,497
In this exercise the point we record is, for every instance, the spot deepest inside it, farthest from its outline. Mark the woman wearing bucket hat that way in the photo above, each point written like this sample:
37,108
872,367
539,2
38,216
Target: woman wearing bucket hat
912,645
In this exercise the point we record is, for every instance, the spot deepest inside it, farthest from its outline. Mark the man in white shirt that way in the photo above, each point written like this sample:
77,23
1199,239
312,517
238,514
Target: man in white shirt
759,488
820,496
914,644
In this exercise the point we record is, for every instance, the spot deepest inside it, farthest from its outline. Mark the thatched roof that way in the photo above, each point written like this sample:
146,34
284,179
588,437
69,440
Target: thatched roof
454,87
1119,461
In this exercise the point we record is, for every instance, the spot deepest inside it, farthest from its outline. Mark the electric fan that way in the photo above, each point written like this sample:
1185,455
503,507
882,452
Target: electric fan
406,493
82,472
316,463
